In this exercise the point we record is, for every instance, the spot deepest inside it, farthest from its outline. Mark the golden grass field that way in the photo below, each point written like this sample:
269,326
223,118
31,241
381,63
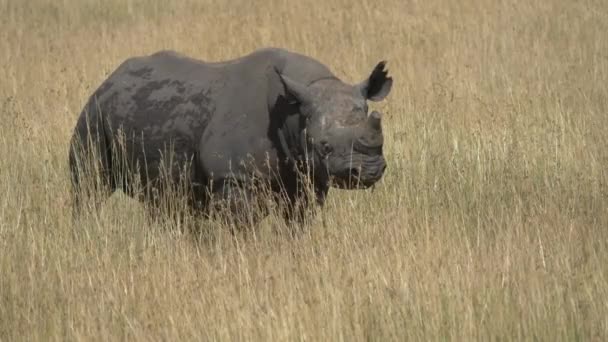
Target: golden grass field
491,222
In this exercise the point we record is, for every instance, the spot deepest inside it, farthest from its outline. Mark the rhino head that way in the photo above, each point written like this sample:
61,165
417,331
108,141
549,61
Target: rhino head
343,135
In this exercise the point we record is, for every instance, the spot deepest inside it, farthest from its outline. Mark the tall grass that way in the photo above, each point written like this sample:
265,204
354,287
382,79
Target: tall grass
490,223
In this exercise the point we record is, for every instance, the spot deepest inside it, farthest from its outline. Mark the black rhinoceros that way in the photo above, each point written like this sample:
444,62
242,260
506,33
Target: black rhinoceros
272,120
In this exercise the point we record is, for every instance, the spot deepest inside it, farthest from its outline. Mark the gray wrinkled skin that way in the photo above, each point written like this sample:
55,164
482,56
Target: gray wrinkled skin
267,119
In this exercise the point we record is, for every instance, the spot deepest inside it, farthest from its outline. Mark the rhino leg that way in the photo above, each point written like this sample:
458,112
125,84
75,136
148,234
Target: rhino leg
237,205
302,205
90,168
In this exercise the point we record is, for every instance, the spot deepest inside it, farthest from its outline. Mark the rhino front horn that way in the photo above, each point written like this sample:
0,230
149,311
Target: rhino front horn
373,121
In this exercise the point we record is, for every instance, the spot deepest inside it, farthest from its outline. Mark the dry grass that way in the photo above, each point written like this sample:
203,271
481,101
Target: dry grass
491,223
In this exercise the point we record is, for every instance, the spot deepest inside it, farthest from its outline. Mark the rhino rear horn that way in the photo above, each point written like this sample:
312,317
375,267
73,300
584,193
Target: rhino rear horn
373,121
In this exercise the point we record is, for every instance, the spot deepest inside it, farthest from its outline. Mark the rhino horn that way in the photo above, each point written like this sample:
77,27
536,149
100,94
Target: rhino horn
373,121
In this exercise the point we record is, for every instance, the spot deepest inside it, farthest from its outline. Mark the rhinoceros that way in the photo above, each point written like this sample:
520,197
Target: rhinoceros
272,121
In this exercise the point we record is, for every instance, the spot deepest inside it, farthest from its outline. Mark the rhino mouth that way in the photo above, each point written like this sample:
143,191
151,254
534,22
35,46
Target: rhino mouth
350,181
358,178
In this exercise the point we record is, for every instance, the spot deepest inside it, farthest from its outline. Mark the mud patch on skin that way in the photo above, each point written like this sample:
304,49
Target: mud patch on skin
179,86
200,100
150,109
110,104
144,72
163,109
142,94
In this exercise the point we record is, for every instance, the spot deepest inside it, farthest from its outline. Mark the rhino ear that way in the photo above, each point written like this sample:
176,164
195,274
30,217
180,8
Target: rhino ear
296,91
378,85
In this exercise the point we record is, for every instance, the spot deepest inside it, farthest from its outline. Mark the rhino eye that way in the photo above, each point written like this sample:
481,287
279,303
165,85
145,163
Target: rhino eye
326,147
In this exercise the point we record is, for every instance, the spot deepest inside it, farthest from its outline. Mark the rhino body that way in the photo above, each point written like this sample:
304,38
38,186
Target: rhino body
272,120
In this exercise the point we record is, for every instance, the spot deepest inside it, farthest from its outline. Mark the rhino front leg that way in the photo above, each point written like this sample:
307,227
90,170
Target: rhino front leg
237,205
302,207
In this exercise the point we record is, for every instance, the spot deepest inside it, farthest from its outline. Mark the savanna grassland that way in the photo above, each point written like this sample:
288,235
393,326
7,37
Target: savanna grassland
490,223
